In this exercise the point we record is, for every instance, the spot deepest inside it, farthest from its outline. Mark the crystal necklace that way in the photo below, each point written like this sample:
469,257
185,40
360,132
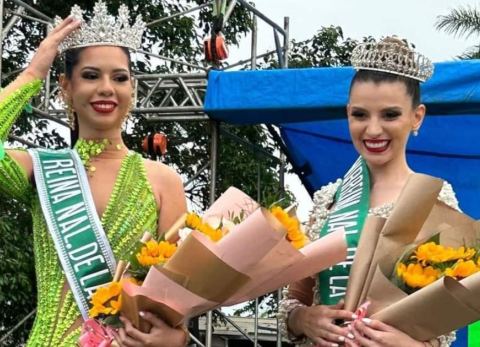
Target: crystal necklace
88,149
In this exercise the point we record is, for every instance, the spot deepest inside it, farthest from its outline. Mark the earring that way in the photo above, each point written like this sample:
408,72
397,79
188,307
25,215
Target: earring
69,110
415,132
130,107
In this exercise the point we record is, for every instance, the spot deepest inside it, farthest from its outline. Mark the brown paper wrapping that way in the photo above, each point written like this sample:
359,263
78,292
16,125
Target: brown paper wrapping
232,202
411,210
163,296
435,310
195,266
453,303
202,274
363,260
316,256
418,215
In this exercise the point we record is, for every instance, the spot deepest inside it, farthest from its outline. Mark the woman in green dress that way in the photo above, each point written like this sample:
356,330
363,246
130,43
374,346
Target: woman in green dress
131,195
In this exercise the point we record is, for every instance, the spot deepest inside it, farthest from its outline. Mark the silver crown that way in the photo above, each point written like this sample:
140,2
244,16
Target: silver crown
104,29
392,55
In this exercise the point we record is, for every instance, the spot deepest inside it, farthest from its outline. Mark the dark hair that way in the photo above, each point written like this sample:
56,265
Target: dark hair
413,86
72,57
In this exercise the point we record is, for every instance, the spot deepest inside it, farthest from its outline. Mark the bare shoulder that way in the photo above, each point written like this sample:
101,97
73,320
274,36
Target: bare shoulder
161,172
168,190
163,178
23,158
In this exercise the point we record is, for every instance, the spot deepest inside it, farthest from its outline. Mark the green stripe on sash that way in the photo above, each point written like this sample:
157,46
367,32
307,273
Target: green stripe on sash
350,211
73,223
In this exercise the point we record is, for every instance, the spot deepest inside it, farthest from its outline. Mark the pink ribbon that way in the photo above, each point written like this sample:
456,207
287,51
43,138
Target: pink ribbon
94,334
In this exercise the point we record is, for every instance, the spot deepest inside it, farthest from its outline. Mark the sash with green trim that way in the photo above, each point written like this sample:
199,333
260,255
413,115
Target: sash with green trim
352,201
73,222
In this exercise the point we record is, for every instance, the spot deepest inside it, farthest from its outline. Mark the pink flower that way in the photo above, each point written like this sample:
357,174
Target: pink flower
95,334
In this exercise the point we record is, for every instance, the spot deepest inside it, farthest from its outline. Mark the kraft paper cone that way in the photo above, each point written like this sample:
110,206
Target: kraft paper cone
231,203
435,310
442,214
460,235
412,208
472,283
382,292
282,256
317,256
162,296
363,259
196,265
251,240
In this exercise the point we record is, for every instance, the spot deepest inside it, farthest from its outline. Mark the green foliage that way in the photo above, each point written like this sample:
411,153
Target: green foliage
328,47
462,21
17,276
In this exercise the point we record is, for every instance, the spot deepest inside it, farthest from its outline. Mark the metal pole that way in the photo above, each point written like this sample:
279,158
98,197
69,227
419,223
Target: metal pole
33,10
236,326
160,20
1,43
282,193
259,197
241,62
33,19
279,333
286,41
253,62
229,11
13,20
172,60
214,128
19,324
47,80
279,48
262,16
173,118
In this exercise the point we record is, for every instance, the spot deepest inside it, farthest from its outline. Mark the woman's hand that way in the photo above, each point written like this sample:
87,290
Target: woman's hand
46,52
318,324
373,333
160,335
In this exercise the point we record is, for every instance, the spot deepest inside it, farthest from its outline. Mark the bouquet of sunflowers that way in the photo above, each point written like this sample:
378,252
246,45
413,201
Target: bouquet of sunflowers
209,267
421,262
431,261
200,263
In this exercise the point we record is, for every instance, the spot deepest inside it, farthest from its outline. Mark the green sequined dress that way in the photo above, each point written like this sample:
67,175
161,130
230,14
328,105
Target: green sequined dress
131,210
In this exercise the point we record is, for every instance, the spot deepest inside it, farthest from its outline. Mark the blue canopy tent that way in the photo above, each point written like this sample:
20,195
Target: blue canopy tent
309,107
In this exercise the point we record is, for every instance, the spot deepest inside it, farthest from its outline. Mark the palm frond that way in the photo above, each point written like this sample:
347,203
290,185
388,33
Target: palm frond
471,53
461,21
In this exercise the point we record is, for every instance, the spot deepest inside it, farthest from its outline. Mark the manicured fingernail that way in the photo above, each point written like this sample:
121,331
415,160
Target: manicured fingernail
141,313
341,338
367,320
334,344
350,336
354,316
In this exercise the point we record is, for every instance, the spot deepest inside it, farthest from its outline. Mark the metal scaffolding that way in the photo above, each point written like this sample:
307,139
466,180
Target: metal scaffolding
181,98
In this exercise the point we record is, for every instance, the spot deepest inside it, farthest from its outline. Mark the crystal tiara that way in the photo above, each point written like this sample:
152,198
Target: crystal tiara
104,29
392,55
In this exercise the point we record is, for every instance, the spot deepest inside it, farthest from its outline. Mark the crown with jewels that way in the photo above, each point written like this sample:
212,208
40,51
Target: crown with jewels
392,55
104,29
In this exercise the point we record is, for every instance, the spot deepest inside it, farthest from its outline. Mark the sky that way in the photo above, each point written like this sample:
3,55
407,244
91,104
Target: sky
411,19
